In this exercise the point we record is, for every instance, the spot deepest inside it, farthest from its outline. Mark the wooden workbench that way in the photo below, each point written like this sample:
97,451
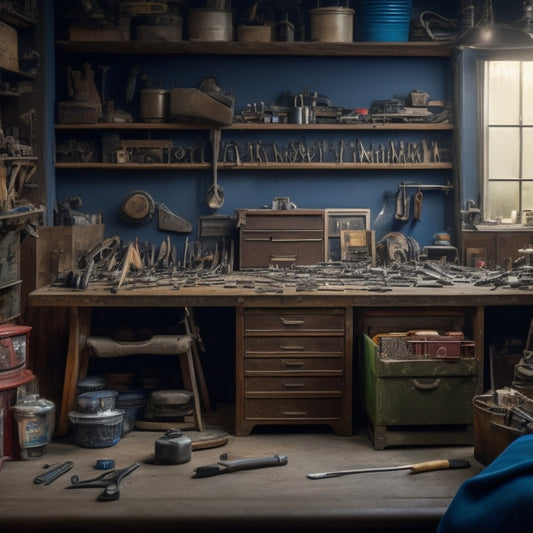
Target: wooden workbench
79,303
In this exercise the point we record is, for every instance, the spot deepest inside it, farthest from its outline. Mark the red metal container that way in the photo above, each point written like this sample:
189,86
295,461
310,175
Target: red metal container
14,347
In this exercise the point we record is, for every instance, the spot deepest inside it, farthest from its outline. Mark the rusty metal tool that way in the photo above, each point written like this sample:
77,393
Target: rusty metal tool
53,473
109,481
428,466
225,467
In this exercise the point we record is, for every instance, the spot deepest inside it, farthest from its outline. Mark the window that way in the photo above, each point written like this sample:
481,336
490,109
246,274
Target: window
508,140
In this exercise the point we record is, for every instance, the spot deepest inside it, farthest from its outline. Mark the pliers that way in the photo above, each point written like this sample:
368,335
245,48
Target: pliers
110,481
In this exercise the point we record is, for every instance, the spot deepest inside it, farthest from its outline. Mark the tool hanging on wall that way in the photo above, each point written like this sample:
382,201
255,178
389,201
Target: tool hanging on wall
403,202
417,211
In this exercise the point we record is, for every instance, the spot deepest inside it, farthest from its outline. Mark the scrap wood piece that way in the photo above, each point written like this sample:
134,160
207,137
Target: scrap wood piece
132,258
3,186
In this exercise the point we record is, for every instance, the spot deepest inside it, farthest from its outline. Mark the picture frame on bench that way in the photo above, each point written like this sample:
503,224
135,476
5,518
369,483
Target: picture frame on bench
342,219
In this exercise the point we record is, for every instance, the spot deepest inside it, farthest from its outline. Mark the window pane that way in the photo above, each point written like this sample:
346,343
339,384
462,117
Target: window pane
502,199
527,153
503,92
527,195
527,93
504,153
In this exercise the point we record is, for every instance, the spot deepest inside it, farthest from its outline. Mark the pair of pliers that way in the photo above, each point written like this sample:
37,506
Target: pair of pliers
110,481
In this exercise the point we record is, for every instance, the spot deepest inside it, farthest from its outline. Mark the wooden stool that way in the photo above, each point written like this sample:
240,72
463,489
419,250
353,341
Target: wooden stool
180,345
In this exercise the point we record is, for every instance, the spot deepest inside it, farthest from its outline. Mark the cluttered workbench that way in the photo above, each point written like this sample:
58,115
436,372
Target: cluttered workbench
328,294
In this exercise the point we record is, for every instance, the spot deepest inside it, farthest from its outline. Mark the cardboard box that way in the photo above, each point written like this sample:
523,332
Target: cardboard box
9,50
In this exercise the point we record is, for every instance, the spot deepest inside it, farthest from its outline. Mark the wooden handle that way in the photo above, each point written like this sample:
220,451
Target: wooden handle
442,464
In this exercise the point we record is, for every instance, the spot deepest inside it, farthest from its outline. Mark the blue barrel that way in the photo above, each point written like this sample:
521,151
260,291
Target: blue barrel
383,20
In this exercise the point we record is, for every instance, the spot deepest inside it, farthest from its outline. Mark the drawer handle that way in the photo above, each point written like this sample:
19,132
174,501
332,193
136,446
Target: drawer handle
294,413
291,322
289,347
426,386
293,364
292,384
281,258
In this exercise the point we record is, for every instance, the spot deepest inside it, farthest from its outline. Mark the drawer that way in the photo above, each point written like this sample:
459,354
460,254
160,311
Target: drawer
293,320
276,220
264,253
294,384
293,344
423,401
292,408
293,364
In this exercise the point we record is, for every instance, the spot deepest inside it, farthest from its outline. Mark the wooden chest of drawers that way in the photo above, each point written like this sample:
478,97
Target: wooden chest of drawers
280,238
294,366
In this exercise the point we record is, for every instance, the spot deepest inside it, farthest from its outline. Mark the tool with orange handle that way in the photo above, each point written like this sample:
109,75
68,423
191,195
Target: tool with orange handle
428,466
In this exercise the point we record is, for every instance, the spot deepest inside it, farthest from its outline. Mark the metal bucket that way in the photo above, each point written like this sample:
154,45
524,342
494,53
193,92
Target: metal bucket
210,25
154,105
332,24
492,433
35,424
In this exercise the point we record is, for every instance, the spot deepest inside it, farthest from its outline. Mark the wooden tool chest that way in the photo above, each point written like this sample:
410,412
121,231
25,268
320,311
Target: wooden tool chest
280,238
294,366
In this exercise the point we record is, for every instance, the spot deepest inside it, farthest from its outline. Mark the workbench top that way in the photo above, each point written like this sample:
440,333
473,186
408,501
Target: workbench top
235,291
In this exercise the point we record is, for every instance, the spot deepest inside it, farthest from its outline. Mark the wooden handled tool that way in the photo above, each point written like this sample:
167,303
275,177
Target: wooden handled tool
428,466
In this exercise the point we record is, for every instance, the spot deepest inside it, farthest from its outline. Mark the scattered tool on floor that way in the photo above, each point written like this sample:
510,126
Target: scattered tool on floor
428,466
110,481
225,467
53,473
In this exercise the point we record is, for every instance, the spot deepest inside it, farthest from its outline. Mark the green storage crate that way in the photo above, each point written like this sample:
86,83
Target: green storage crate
418,401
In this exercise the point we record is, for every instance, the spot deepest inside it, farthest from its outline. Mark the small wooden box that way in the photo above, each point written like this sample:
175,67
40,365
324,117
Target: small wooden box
58,250
119,33
9,54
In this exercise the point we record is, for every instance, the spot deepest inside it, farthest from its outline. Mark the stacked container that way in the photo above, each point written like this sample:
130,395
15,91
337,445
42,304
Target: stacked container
383,20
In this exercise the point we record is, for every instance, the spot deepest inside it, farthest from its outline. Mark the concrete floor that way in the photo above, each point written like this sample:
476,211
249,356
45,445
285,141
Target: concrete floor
167,498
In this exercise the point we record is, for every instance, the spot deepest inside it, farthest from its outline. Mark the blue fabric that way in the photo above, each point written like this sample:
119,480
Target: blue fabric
499,498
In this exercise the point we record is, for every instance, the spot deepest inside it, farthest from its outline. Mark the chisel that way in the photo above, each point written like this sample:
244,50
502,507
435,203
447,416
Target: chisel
428,466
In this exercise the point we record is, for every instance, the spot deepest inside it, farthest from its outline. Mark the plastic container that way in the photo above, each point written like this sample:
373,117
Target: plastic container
90,383
102,429
131,403
380,21
99,400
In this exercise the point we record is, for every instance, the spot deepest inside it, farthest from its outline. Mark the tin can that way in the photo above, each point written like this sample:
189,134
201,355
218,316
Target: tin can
35,424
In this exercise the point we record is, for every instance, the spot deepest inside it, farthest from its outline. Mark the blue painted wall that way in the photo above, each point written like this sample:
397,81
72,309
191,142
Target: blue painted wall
351,82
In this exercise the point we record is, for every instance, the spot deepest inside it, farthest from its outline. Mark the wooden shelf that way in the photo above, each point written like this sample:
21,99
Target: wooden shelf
408,49
135,166
19,73
257,166
257,126
10,220
14,18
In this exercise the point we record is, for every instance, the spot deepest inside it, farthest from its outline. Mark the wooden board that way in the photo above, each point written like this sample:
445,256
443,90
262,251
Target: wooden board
9,58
